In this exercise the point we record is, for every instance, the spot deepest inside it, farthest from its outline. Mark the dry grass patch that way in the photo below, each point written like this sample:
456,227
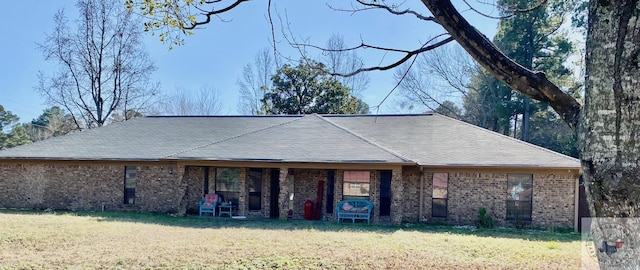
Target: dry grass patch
32,240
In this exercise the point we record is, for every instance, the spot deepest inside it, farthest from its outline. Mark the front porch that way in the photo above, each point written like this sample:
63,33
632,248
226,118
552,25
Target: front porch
282,192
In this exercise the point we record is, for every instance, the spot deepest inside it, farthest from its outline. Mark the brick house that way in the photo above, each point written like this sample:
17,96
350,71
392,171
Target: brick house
413,168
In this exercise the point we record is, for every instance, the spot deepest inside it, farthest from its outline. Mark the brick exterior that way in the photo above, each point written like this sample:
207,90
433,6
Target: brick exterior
82,186
468,191
170,188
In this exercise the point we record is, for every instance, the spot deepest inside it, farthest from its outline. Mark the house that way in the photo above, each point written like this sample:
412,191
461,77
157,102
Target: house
413,168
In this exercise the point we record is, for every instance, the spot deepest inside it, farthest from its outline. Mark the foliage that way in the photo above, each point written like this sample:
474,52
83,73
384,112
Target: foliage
488,103
534,40
17,136
484,220
7,119
52,122
551,132
450,109
102,67
11,134
307,89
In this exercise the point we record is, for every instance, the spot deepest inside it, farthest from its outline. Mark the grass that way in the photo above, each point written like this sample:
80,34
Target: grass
37,240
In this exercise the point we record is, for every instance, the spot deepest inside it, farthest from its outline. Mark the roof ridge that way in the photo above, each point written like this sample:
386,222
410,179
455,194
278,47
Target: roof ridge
507,137
234,137
364,139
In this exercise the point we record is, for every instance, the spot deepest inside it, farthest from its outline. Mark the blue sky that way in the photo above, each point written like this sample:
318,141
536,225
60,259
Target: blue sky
215,55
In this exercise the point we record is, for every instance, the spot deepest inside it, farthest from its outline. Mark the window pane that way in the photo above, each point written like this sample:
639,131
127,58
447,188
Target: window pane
228,179
255,180
439,208
356,184
385,193
519,187
255,189
519,196
130,175
440,184
518,210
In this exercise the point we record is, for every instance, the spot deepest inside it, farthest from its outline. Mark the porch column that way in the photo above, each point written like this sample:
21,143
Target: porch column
286,189
397,196
179,172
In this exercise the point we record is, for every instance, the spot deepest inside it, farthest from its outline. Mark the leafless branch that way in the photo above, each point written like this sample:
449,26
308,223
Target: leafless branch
273,35
392,10
408,56
397,84
510,12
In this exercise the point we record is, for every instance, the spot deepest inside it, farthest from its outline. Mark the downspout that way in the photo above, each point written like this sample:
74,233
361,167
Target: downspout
576,204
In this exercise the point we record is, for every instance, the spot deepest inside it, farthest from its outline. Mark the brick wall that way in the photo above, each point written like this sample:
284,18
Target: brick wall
306,188
553,205
194,178
174,189
89,186
468,191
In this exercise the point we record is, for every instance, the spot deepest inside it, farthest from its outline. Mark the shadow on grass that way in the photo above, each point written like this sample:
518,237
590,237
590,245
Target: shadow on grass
276,224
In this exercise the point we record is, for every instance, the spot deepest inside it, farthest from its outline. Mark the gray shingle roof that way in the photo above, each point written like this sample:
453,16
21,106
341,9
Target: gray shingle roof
427,139
436,140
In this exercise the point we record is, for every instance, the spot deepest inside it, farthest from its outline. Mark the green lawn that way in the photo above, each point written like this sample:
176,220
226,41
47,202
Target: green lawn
36,240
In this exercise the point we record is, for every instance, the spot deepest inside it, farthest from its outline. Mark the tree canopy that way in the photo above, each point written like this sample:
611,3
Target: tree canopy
306,89
11,134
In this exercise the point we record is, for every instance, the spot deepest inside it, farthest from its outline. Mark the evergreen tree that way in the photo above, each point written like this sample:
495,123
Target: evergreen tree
532,39
11,134
307,89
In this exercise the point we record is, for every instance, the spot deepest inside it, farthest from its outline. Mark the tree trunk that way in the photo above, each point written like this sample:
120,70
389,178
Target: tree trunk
609,130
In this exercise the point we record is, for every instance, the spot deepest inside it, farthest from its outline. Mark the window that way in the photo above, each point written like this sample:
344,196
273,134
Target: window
228,184
519,196
206,180
255,189
356,185
130,175
440,195
385,193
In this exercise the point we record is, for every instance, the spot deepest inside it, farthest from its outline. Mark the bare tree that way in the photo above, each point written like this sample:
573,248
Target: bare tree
339,60
256,78
102,64
436,77
182,102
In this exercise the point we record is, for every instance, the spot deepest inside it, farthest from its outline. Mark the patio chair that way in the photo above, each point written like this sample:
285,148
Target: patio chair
209,203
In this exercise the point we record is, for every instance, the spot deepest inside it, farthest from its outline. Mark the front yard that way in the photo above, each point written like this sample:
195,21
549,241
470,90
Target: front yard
36,240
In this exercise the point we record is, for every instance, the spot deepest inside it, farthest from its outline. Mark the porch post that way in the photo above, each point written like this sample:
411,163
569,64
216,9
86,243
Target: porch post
397,193
283,197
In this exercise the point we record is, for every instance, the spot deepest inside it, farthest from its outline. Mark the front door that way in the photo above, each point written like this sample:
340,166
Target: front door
274,208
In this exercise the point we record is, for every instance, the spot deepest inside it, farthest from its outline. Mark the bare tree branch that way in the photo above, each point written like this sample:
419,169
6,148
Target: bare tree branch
408,56
392,10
